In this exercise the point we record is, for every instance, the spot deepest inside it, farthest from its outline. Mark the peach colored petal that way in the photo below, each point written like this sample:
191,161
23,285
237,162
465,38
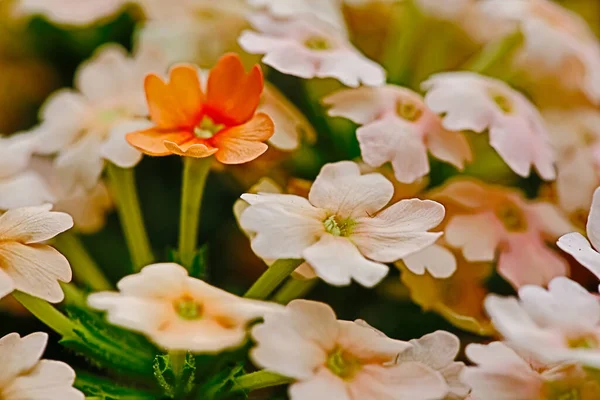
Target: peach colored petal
152,141
231,93
177,103
243,143
196,148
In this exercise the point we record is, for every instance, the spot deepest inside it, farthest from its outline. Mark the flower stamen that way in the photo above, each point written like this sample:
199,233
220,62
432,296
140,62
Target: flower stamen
207,128
338,227
343,364
188,308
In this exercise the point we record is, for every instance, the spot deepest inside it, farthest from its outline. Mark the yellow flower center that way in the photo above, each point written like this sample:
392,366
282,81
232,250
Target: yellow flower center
408,110
188,308
339,227
503,103
318,43
584,342
207,128
343,364
511,217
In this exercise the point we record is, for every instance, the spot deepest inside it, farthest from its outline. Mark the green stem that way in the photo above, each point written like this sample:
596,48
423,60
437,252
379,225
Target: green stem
408,27
272,278
84,267
73,296
46,313
494,53
195,172
259,380
294,289
177,359
128,207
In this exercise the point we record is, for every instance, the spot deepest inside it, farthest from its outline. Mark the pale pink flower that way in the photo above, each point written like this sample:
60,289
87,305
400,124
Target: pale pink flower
561,324
495,221
342,360
86,126
575,136
25,263
397,127
328,10
579,247
503,374
71,12
436,259
343,230
25,376
309,48
178,312
516,129
557,41
19,186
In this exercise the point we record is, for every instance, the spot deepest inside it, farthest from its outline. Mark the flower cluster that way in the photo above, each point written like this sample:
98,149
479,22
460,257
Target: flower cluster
411,166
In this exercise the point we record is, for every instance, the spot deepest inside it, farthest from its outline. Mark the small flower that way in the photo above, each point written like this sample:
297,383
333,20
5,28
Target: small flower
25,263
341,227
397,127
19,186
222,122
561,324
71,13
503,374
579,247
25,376
497,219
309,48
180,313
85,126
342,360
556,42
575,135
477,103
326,10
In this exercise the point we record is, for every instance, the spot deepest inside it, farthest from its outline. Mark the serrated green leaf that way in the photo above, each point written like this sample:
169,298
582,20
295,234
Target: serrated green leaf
174,385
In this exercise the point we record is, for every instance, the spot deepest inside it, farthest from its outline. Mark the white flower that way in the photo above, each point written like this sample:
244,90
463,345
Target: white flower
477,103
25,263
579,247
503,374
20,187
25,376
341,360
71,12
561,324
397,127
342,227
575,135
178,312
435,259
309,48
557,41
86,126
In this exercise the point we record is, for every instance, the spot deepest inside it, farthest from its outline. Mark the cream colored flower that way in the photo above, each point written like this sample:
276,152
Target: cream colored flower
178,312
25,263
25,377
341,360
343,230
327,10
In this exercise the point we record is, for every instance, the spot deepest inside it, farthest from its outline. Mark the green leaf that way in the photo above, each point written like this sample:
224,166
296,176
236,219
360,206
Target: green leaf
221,384
174,386
101,388
199,267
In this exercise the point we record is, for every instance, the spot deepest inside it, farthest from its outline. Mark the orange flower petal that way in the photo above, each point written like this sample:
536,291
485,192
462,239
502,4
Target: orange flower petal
178,103
152,141
232,94
196,148
243,143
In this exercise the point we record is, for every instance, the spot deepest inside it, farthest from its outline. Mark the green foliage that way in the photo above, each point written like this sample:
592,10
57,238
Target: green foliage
220,386
174,384
199,268
100,388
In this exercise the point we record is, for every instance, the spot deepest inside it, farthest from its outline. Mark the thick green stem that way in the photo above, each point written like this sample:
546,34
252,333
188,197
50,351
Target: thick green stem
495,53
294,289
177,359
73,296
259,380
84,267
195,172
46,313
128,205
272,278
408,27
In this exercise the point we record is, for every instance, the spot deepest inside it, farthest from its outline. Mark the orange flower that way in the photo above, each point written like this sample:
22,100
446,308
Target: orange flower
194,124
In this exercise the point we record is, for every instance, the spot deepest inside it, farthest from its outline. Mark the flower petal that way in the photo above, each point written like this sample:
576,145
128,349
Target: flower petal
448,146
35,269
399,230
324,385
117,150
196,148
243,143
367,343
341,189
176,104
438,260
578,246
231,93
593,224
152,141
24,190
47,380
6,284
476,235
33,224
19,355
337,261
